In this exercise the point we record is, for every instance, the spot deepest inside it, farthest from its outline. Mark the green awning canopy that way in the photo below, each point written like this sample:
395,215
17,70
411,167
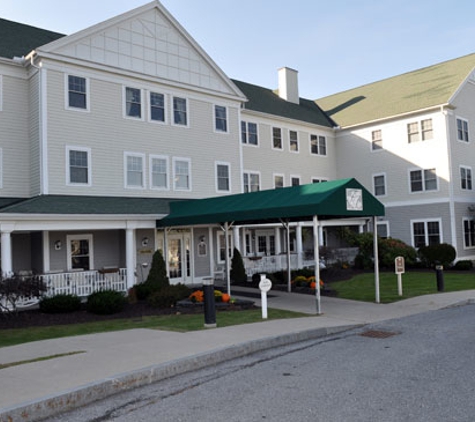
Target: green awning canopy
344,198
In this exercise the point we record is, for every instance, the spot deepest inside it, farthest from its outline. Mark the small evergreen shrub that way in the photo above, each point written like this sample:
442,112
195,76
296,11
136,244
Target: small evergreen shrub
440,254
463,265
60,304
156,280
105,302
238,272
168,296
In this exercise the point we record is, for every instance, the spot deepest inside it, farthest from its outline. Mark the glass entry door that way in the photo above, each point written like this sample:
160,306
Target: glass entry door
179,257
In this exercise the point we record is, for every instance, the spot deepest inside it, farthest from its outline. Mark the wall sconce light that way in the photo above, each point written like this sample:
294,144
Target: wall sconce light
471,208
145,241
202,239
57,245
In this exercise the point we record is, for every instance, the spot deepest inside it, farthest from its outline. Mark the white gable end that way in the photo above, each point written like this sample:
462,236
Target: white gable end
148,43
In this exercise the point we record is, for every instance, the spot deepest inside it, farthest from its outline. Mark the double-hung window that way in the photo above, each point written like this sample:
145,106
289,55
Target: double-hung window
462,130
223,183
180,111
78,168
133,102
318,145
318,180
426,233
423,180
469,233
422,130
277,138
465,178
249,133
376,140
181,174
157,107
80,252
294,180
252,181
134,174
220,119
158,172
77,92
278,181
379,185
294,141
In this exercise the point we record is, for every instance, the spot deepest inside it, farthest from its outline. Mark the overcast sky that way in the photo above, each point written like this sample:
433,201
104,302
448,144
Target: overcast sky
335,45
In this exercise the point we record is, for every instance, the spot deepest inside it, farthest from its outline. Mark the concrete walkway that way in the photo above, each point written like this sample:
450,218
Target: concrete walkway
105,364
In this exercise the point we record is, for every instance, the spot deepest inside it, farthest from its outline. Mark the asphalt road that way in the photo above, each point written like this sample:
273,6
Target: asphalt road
419,368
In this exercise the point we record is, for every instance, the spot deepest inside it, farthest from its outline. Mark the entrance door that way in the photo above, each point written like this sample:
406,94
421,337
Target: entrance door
179,257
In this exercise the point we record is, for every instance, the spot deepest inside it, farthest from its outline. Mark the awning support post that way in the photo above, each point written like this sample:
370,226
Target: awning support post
316,254
226,254
376,258
286,225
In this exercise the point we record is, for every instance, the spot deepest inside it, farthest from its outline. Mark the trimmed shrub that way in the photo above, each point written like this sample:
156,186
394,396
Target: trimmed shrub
167,297
105,302
60,304
440,254
463,265
157,278
391,248
238,272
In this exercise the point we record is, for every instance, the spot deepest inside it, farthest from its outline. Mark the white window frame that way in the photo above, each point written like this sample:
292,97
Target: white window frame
384,223
423,180
296,141
224,164
87,237
426,232
376,145
468,180
226,119
70,148
319,179
318,138
281,148
283,180
174,161
295,176
126,170
250,173
165,109
385,184
150,171
66,92
187,111
465,133
420,131
464,220
246,123
142,102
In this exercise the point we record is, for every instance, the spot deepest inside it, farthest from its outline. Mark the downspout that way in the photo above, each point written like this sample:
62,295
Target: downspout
42,126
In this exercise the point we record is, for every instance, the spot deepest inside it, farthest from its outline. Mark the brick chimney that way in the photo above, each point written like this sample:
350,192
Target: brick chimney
289,85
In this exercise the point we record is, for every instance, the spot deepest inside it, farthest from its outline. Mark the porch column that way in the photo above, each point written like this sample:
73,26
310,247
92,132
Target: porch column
298,235
278,245
237,238
130,256
46,254
7,266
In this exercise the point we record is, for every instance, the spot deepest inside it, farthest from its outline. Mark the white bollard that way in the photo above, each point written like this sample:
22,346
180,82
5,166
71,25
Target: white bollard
264,285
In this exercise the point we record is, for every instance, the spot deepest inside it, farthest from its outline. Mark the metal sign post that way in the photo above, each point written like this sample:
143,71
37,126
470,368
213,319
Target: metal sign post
400,269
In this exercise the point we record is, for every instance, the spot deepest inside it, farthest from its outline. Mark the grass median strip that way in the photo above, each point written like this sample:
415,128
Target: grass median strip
179,323
23,362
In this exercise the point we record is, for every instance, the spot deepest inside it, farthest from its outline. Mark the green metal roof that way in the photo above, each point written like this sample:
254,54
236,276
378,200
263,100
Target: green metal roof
421,89
17,39
265,100
88,205
297,203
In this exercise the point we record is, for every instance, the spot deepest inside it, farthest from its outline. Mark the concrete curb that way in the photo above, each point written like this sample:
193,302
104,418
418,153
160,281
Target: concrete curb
86,394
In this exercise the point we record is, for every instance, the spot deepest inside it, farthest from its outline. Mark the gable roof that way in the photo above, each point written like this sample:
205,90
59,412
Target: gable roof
295,203
86,205
18,39
418,90
265,100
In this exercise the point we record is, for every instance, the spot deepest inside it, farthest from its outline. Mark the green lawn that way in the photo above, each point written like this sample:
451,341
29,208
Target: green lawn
361,287
181,323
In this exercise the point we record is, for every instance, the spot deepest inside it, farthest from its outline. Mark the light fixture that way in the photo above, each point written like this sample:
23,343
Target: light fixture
57,245
202,239
471,208
145,241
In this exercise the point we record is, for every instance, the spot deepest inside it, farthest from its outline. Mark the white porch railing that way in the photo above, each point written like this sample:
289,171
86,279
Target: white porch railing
83,283
271,264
